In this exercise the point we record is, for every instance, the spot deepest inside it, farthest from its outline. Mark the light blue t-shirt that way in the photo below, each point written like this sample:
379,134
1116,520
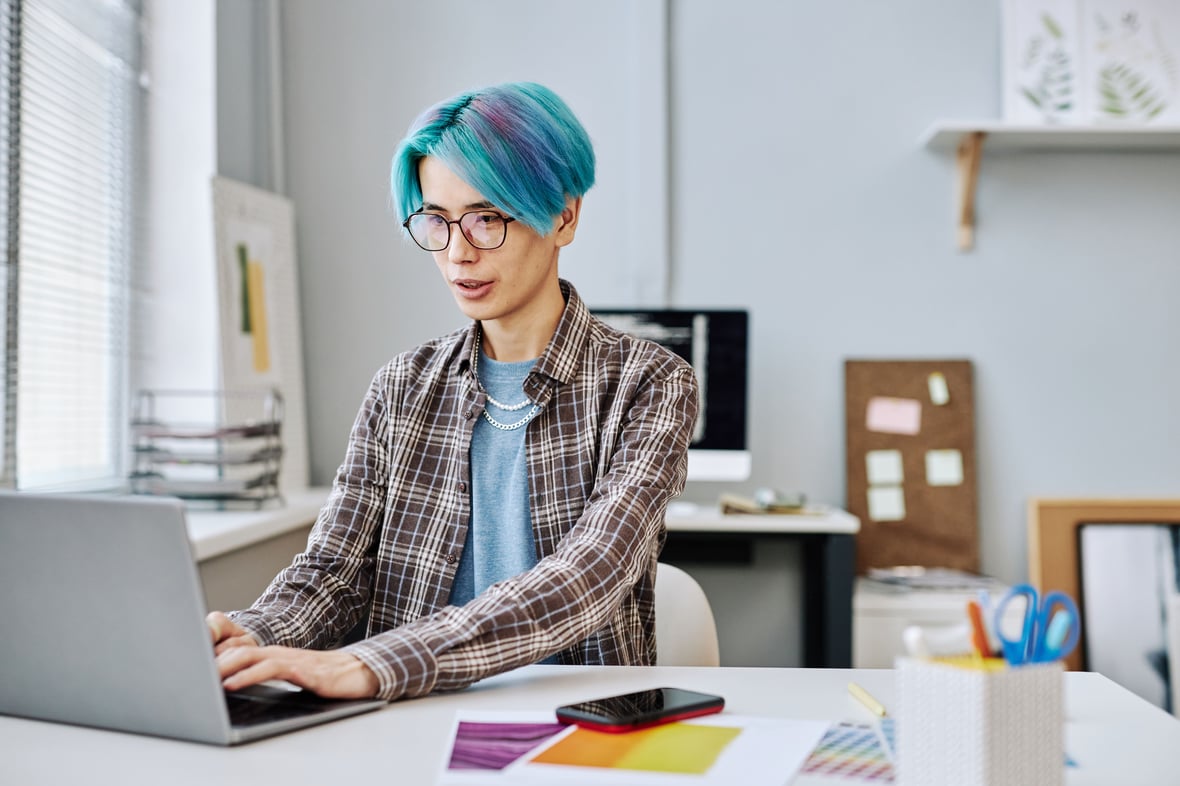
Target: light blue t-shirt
499,541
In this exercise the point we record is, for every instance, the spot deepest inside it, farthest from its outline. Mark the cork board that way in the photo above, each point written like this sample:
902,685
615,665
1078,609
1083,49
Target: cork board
910,455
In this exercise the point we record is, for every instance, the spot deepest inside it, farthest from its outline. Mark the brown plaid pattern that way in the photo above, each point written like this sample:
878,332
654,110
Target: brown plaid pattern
606,453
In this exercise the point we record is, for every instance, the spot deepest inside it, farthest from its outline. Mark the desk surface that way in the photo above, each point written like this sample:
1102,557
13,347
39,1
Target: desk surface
820,519
1115,736
217,532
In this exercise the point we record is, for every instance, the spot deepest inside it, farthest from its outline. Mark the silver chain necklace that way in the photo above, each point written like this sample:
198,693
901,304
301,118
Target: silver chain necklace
513,408
511,426
505,407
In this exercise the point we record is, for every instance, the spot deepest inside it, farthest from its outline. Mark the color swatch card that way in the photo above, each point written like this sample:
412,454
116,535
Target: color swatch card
851,753
482,746
680,748
723,749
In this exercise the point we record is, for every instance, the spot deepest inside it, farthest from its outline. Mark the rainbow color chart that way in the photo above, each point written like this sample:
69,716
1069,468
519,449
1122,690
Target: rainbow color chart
850,753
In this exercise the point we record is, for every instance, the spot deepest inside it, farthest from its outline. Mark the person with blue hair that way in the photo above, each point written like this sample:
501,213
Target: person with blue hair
502,497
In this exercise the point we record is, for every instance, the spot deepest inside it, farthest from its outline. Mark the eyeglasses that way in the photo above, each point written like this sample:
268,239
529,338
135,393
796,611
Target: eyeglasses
484,229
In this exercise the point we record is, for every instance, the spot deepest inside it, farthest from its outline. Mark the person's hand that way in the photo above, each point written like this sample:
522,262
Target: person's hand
226,633
329,673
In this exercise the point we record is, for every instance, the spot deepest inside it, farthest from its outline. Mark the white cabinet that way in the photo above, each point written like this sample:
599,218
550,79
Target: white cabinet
880,615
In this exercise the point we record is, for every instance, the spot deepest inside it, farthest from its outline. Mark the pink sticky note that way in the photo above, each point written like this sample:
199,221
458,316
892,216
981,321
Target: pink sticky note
894,415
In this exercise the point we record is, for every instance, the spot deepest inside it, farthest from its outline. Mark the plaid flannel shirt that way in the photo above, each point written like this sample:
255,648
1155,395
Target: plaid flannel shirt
606,452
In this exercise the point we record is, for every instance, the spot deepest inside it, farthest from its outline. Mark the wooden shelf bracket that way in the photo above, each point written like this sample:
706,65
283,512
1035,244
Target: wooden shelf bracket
965,138
967,162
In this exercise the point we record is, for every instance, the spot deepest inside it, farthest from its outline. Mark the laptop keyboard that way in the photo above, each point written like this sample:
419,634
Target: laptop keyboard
252,709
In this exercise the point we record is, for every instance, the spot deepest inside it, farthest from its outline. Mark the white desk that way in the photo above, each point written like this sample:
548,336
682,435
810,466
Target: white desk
814,519
827,536
215,532
1116,737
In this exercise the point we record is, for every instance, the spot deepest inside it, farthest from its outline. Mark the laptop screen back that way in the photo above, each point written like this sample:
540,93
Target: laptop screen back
104,618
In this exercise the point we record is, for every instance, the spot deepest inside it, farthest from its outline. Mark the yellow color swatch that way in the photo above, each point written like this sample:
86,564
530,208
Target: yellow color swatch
685,748
257,305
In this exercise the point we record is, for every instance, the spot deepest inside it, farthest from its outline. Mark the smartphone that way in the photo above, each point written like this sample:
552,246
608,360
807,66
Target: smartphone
641,709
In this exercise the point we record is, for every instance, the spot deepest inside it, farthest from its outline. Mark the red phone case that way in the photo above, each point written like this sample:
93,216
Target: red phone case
569,715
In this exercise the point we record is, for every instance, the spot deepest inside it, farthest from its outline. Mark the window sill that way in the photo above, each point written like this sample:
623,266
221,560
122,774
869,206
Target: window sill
216,532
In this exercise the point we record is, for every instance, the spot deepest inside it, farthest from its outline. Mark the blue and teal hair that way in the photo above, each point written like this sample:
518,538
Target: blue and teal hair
517,144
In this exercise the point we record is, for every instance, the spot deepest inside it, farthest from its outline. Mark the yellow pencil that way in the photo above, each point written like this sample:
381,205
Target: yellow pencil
866,699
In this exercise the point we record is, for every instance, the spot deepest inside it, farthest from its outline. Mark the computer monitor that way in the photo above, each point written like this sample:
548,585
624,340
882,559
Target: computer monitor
715,343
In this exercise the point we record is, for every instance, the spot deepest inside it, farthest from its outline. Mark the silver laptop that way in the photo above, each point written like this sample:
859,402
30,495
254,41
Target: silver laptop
104,625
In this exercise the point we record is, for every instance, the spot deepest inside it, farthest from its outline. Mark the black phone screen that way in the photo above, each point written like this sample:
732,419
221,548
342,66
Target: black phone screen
642,708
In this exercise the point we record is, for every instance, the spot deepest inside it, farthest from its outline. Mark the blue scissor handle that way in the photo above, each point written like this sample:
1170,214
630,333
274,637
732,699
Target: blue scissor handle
1020,649
1058,628
1056,614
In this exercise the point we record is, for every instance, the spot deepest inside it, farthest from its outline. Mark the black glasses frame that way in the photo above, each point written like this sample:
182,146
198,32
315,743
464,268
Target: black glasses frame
506,219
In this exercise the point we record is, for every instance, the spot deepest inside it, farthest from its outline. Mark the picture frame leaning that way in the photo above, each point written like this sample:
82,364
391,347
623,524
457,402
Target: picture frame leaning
1055,534
259,326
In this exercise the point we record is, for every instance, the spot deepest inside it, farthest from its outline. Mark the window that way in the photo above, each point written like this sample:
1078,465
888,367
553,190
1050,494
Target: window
71,108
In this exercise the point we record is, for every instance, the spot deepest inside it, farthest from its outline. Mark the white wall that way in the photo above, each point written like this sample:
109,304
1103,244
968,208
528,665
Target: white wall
177,311
800,122
1066,306
357,73
246,51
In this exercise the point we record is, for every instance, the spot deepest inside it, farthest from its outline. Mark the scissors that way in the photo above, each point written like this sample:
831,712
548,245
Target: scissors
1049,629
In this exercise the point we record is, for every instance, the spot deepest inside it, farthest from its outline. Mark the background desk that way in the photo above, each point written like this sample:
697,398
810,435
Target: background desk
828,565
1116,737
239,552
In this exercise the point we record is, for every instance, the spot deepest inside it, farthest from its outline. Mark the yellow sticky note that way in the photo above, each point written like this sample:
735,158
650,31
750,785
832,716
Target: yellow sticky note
944,467
884,467
940,394
886,503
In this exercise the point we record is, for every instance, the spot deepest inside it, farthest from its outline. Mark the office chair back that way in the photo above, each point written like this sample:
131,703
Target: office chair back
686,633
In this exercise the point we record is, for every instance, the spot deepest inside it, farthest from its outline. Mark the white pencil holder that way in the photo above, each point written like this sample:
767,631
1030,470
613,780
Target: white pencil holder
976,727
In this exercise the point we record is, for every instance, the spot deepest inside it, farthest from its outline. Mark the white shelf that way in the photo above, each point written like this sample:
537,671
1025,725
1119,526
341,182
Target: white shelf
966,139
945,135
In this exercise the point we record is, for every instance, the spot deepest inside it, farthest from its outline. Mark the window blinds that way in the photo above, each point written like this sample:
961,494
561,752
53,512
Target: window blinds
72,104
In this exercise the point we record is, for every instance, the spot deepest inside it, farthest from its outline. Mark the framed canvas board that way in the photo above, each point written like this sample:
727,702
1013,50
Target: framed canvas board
258,300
